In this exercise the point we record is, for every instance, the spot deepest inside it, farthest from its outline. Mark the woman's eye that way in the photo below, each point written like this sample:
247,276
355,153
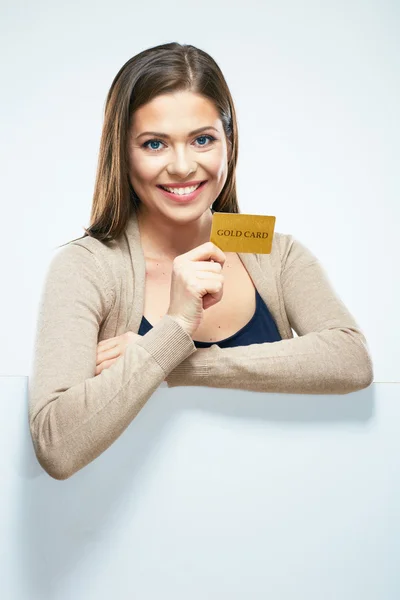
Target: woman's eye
201,137
145,145
206,137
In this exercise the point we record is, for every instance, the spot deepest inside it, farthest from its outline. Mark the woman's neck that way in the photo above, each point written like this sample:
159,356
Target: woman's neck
165,241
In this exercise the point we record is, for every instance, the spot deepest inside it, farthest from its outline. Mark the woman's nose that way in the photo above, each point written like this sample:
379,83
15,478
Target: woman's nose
181,163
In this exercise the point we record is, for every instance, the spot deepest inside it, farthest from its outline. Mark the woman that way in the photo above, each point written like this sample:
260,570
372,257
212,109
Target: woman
145,297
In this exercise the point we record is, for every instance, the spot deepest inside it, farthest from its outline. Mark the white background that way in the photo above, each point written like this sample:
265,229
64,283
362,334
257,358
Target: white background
316,88
224,495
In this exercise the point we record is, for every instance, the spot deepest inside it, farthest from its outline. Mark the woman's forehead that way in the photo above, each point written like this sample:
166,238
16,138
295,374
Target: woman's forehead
180,108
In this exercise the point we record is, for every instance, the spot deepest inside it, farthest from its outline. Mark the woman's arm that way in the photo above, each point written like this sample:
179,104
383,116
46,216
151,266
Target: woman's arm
73,414
330,356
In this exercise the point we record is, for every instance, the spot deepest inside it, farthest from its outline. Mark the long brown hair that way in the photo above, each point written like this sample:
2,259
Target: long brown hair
159,70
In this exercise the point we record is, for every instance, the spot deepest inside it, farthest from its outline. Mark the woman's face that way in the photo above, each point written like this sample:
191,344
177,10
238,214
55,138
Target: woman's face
177,156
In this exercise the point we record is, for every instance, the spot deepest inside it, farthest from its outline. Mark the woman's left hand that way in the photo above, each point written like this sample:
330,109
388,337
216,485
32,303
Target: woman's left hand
108,351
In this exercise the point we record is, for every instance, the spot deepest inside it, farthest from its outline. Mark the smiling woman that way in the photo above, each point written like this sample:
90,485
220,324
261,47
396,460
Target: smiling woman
175,160
169,121
120,305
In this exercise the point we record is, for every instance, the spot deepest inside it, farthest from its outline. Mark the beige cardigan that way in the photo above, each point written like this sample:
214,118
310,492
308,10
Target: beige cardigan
94,291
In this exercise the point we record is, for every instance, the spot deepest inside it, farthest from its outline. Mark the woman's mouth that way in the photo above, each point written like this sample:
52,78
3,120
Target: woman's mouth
183,194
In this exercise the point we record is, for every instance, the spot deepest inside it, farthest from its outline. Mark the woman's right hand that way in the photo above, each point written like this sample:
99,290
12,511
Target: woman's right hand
196,284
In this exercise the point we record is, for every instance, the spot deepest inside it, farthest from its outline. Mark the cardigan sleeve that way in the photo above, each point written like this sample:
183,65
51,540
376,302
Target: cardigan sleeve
330,356
73,414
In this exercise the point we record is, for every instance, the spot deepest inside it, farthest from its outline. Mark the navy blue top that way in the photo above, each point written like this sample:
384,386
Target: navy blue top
261,328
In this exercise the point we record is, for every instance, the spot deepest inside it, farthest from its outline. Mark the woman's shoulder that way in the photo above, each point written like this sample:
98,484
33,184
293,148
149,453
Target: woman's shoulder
287,254
103,251
90,259
287,248
281,243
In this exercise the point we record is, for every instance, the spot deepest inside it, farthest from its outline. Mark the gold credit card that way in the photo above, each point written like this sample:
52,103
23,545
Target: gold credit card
234,232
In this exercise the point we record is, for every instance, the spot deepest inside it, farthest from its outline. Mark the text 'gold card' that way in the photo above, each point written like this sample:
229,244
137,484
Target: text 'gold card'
234,232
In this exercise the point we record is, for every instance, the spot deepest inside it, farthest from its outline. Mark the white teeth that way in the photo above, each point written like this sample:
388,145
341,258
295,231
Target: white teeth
181,191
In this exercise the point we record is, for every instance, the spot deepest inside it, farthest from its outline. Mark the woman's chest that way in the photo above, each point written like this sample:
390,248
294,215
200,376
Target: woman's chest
221,320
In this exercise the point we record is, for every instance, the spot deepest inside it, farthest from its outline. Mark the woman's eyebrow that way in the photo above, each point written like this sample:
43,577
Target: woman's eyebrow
164,135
